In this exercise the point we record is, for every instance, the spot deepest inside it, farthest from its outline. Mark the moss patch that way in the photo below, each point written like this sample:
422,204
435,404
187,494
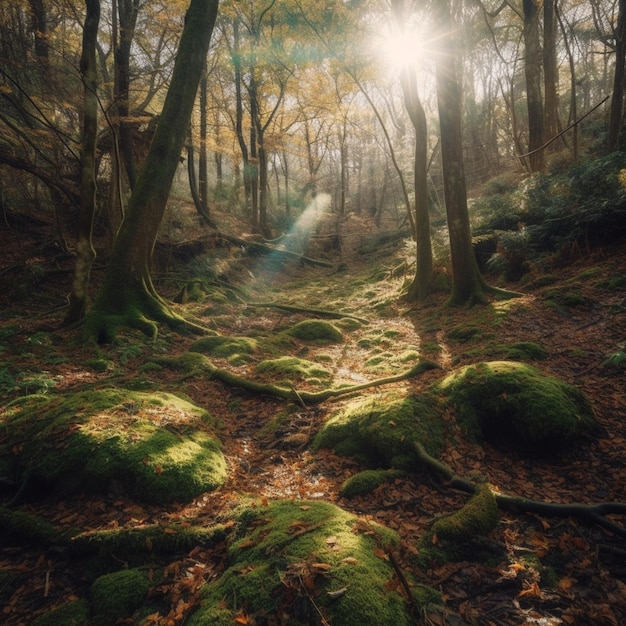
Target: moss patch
155,446
70,614
219,346
382,430
293,553
450,538
291,369
514,403
365,482
318,331
118,594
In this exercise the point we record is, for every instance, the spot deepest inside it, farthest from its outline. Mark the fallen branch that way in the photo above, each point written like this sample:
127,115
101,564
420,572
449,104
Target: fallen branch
256,247
308,397
333,315
590,513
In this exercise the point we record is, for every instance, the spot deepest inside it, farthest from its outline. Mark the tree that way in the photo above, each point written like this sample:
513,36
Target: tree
127,295
617,99
85,253
532,71
422,282
467,284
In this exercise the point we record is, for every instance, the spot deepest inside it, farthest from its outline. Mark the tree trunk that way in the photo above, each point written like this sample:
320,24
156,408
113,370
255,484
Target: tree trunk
617,99
422,283
532,72
550,71
85,253
467,284
127,11
127,295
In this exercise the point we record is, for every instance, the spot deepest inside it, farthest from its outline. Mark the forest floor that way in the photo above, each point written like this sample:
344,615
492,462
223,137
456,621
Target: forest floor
557,571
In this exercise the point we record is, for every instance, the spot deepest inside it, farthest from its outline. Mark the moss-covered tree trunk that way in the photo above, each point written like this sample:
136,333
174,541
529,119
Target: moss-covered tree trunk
127,295
85,253
467,284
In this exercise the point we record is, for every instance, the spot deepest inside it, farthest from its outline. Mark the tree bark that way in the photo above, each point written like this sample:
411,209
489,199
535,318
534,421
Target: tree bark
127,295
467,284
85,253
550,70
617,99
532,71
421,285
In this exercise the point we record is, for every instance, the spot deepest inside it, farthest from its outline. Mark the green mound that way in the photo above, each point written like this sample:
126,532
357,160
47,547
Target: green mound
305,559
514,403
383,429
219,346
451,537
118,595
365,482
74,613
315,330
292,369
154,446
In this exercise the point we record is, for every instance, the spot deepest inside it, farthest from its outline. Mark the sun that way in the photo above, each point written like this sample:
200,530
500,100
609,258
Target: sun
398,51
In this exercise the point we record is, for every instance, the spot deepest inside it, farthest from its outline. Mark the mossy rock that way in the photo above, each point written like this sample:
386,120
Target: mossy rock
516,404
525,351
292,557
293,369
118,595
74,613
450,538
219,346
155,446
382,430
365,482
318,331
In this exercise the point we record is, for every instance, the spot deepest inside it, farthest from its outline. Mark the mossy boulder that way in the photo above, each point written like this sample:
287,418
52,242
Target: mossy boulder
451,537
318,331
365,482
516,404
303,559
118,595
224,347
155,446
74,613
382,430
291,369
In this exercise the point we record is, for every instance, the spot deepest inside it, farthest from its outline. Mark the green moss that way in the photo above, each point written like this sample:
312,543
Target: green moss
464,333
525,351
294,369
70,614
223,347
119,594
514,403
134,544
450,538
318,331
365,482
382,430
293,553
155,446
16,523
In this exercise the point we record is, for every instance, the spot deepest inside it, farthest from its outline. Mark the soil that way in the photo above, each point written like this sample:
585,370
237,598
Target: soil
556,571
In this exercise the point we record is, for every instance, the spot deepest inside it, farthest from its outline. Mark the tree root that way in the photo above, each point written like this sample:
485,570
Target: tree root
305,398
334,315
590,513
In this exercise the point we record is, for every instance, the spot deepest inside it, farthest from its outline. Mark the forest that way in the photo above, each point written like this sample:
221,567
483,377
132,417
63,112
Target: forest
312,313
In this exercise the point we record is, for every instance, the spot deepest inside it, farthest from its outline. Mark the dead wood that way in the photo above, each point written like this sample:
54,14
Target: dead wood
305,398
590,513
325,313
